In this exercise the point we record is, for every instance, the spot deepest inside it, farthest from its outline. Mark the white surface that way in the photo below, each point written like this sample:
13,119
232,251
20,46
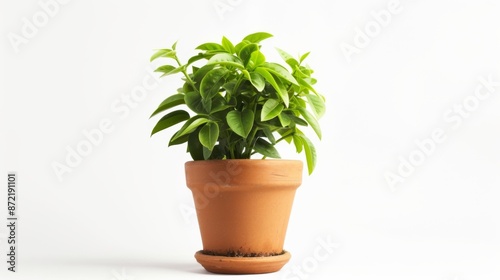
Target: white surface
119,213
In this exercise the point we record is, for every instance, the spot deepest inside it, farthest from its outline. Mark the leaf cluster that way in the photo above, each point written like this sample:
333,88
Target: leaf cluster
240,103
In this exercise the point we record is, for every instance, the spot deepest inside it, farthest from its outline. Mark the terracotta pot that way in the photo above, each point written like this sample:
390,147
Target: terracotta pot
243,207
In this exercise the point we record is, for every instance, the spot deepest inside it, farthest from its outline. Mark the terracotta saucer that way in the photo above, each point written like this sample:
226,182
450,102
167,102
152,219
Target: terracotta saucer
242,265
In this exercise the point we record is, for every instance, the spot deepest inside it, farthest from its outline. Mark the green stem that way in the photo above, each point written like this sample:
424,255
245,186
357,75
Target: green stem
191,82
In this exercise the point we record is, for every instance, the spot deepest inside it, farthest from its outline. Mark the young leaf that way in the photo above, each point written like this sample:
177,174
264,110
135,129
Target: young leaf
304,56
247,51
228,46
266,149
165,69
240,122
256,59
257,37
310,152
209,134
288,58
311,120
170,102
190,126
210,47
317,104
285,119
212,82
257,81
269,134
226,60
276,84
280,71
299,144
163,53
169,120
271,109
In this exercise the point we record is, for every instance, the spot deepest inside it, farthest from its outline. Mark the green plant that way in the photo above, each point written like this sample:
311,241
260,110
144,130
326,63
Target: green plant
242,104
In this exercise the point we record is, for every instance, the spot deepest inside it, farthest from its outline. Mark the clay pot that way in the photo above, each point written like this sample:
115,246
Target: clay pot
243,207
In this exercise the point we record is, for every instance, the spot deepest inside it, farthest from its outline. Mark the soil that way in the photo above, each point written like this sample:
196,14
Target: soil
238,254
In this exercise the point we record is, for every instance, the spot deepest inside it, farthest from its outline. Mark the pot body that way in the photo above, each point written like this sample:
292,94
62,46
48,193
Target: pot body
243,206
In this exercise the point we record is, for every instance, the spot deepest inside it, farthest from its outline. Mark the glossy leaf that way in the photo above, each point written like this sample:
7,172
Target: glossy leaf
226,60
280,71
257,81
246,52
190,126
266,149
317,104
240,122
274,83
210,47
171,101
163,53
257,37
311,120
310,152
208,135
169,120
288,58
257,58
195,148
271,109
227,45
194,102
212,82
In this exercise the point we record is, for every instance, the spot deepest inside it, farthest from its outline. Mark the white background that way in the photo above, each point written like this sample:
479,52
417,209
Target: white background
124,212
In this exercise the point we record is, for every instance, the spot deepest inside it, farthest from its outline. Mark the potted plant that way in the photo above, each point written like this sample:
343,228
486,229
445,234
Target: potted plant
241,106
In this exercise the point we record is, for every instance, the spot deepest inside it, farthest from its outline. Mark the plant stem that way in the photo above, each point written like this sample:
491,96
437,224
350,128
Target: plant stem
185,73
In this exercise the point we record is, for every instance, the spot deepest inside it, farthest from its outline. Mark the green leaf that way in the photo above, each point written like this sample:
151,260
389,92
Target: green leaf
310,152
304,56
265,148
190,126
257,37
169,69
317,104
299,144
305,84
226,60
228,46
163,53
284,119
269,134
210,47
169,120
280,71
246,52
311,120
209,134
257,81
271,109
165,68
257,58
240,45
212,82
278,86
288,58
195,148
194,102
240,122
178,141
206,152
171,101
